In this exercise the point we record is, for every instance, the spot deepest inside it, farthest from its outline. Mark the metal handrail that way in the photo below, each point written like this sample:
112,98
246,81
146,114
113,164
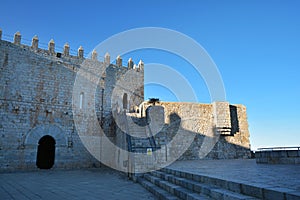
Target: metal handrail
147,147
128,137
278,148
151,138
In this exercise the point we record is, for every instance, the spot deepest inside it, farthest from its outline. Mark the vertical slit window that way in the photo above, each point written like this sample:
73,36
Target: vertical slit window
81,100
125,101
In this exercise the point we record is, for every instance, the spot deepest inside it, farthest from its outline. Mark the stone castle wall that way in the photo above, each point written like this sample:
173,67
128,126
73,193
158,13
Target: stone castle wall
37,99
185,131
226,123
36,88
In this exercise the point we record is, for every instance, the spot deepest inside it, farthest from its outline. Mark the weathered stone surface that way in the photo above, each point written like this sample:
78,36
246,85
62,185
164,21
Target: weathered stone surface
278,157
36,90
197,120
36,100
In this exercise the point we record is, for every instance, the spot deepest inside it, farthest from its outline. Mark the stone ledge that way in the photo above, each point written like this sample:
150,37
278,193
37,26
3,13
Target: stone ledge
278,157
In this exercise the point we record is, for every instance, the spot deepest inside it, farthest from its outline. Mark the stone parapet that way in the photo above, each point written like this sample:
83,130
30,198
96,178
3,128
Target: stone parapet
278,157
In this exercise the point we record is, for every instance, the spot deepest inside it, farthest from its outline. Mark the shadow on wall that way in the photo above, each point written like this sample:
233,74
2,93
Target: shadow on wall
234,119
223,148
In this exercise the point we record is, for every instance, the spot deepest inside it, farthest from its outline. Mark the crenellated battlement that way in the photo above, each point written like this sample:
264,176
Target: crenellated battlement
51,51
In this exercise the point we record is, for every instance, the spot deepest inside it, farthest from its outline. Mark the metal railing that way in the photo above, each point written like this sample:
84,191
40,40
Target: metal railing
151,138
128,137
278,148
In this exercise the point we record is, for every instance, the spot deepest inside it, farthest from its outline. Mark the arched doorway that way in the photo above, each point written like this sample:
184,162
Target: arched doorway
46,152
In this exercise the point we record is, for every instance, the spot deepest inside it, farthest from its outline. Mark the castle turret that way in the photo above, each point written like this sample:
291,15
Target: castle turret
130,64
80,52
51,47
17,38
119,61
66,49
35,42
94,55
141,65
107,58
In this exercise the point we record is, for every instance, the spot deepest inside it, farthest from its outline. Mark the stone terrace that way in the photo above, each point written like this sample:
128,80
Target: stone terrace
278,177
76,184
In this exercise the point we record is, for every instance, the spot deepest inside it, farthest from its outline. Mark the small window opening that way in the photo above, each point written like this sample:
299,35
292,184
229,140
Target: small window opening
81,100
125,101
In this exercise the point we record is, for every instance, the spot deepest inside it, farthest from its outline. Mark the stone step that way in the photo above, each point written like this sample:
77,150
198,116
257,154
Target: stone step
138,135
141,142
138,131
255,191
176,190
213,191
157,191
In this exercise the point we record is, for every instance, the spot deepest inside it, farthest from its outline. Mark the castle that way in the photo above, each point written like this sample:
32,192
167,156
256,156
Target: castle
46,123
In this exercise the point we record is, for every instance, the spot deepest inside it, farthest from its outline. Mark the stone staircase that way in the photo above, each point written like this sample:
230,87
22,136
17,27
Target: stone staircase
171,184
140,144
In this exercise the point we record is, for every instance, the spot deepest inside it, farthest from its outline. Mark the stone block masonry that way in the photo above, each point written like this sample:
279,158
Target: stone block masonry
172,121
284,156
216,117
36,88
36,100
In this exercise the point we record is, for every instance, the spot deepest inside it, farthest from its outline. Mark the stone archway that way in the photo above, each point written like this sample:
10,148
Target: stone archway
52,130
45,152
34,139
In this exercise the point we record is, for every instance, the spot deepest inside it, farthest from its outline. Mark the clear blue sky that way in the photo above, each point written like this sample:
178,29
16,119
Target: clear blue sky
255,44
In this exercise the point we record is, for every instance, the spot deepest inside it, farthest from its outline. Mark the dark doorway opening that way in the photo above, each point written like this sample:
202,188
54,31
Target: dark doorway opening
46,152
125,101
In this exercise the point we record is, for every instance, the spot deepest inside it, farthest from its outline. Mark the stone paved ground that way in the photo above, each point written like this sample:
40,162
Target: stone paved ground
77,184
107,184
280,177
